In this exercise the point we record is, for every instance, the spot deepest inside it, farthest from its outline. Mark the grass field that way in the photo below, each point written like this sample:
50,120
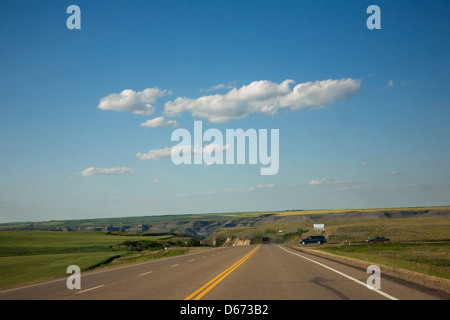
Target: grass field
430,258
420,245
354,230
29,256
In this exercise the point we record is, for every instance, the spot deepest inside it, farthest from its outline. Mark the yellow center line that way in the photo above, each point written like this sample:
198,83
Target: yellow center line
198,294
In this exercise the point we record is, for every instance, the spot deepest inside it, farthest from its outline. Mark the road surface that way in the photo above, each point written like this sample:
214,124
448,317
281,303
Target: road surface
255,272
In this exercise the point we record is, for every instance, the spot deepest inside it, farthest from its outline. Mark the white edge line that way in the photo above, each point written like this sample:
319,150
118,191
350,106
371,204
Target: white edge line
344,275
90,289
32,285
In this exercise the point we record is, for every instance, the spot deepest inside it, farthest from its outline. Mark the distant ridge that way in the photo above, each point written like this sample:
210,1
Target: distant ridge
202,225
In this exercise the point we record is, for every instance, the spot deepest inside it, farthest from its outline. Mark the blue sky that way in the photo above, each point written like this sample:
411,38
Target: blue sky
371,130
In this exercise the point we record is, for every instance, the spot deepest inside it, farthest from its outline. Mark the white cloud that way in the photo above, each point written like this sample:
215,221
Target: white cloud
92,171
389,84
159,122
220,86
155,154
320,93
314,182
399,186
133,101
212,147
264,97
249,190
325,181
209,164
350,188
262,186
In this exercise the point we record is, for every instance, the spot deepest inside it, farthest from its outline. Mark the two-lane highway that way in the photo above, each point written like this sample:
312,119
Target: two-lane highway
263,272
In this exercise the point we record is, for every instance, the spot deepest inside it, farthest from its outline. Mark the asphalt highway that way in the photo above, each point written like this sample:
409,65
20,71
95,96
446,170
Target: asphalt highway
255,272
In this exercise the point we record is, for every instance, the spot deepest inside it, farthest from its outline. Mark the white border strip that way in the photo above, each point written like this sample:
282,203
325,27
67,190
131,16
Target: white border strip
90,289
344,275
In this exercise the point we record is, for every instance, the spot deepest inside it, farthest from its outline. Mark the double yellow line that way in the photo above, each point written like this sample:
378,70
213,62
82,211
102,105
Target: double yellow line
198,294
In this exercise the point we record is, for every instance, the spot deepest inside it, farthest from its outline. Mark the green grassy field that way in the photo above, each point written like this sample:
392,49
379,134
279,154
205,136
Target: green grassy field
430,258
420,245
29,256
354,230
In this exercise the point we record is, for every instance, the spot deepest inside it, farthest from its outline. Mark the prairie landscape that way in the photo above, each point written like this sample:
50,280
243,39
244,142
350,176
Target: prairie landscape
420,239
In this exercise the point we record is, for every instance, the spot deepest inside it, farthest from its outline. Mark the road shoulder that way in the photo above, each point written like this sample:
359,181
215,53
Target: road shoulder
435,286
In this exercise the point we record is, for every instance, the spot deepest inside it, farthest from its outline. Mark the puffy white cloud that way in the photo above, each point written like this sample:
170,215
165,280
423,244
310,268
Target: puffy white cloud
92,171
155,154
264,97
159,122
318,94
133,101
215,108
